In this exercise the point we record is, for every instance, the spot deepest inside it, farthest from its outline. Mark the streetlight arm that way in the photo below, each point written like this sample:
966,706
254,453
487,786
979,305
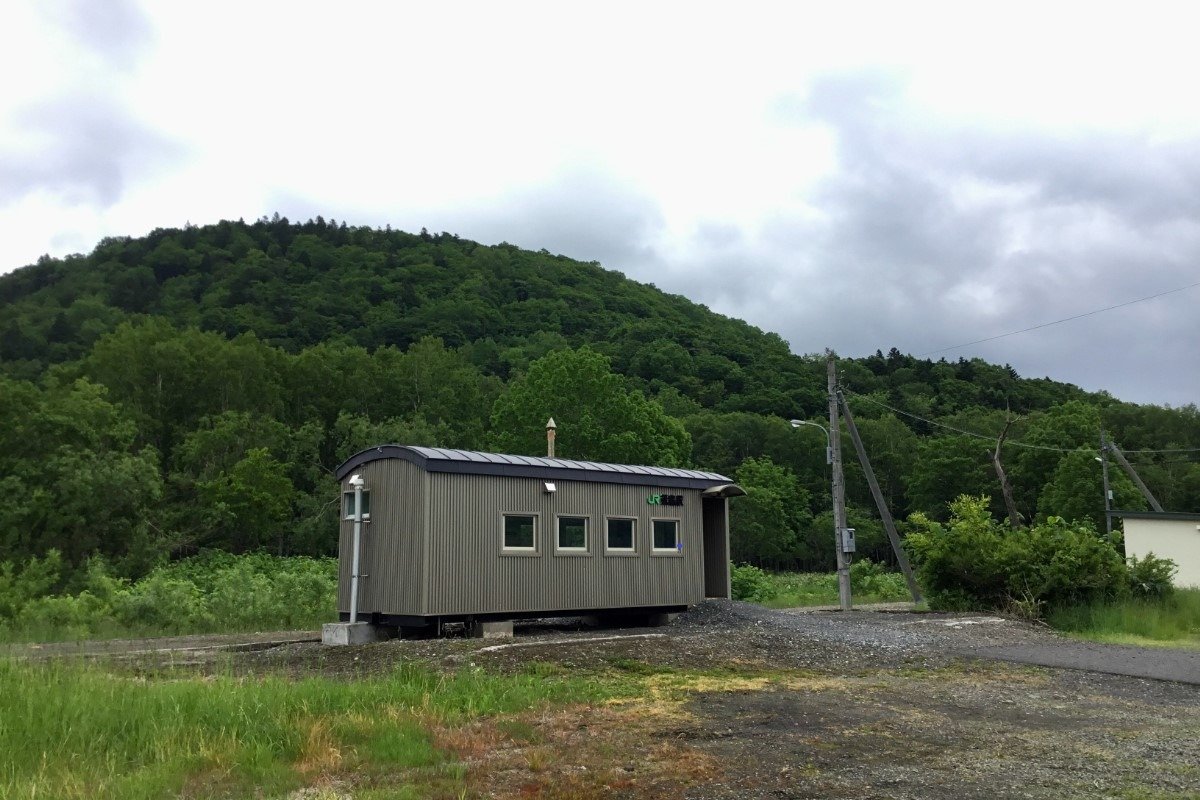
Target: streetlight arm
796,423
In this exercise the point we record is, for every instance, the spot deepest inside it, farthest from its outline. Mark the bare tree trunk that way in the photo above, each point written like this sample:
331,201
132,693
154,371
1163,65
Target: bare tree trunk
1014,519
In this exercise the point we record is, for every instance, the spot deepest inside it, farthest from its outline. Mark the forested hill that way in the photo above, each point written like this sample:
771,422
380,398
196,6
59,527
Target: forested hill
238,363
294,286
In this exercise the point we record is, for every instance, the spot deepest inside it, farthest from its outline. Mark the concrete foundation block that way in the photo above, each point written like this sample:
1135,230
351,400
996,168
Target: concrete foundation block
491,630
340,634
659,620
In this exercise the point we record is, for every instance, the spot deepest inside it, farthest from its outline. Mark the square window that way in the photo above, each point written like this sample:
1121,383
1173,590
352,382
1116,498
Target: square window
348,503
621,534
520,532
572,533
666,534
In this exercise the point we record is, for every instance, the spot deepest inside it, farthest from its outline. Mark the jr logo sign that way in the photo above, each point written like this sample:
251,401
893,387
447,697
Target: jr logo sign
665,500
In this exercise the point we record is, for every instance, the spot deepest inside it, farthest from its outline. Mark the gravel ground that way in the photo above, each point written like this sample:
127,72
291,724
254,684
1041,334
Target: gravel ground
866,704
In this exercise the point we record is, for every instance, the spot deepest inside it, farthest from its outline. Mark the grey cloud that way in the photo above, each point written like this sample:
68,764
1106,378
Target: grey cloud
88,149
1071,224
584,214
88,142
117,31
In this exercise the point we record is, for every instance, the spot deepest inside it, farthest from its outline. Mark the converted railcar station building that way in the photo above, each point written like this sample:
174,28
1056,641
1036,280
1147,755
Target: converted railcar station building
455,535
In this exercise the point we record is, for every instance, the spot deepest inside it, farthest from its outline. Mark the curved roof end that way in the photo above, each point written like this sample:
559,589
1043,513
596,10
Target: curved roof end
725,490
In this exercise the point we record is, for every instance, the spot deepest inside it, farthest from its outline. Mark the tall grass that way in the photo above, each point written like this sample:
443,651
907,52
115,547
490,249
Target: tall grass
870,582
213,593
1172,620
70,731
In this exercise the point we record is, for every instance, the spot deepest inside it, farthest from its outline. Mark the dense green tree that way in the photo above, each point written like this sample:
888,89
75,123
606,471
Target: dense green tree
598,418
249,505
766,523
73,477
948,466
1076,491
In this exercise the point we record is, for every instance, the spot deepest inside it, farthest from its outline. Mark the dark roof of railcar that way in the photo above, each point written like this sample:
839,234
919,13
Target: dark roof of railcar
470,462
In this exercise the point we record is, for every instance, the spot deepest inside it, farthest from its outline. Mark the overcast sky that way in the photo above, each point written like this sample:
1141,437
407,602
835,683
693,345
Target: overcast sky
867,176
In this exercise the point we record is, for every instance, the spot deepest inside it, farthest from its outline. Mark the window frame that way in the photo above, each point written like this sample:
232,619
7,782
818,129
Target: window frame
621,551
668,552
586,550
348,500
535,549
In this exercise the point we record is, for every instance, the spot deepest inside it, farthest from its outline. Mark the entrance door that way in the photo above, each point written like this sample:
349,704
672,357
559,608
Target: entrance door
716,547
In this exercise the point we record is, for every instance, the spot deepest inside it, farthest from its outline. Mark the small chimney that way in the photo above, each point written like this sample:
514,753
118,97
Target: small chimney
550,428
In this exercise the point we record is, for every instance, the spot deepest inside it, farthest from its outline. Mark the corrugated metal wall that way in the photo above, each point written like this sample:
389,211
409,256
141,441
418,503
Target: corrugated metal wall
392,542
468,573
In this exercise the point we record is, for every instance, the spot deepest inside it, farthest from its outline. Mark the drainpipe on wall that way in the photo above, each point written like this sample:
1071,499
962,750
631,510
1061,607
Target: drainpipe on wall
357,482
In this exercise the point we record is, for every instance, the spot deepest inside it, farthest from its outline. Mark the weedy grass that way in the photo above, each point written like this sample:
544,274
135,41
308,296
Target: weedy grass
870,582
793,589
1173,621
211,593
70,730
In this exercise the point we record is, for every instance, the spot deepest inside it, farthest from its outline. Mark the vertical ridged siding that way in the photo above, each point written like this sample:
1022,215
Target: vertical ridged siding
468,574
391,544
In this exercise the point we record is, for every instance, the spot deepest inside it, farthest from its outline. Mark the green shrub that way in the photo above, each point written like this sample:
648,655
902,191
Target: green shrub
871,578
21,584
1150,577
751,583
974,562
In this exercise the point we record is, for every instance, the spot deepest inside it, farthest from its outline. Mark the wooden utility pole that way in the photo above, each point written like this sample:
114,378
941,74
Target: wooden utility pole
1107,490
839,486
1014,519
1132,473
888,524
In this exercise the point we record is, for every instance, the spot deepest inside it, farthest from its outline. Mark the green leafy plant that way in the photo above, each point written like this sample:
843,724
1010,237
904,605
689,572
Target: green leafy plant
752,584
975,562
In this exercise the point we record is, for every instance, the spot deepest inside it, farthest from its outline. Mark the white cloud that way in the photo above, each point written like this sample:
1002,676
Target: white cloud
860,175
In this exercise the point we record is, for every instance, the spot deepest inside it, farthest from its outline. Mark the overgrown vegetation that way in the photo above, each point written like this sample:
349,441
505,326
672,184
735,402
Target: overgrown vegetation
870,582
215,592
70,731
1174,619
975,562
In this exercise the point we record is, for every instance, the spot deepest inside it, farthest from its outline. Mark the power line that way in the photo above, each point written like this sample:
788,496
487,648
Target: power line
1008,441
1060,321
965,433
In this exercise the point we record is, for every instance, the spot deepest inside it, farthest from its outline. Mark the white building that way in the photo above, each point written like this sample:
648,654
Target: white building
1166,535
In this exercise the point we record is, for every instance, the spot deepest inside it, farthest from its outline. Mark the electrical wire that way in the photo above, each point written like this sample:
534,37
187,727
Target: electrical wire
966,433
1060,321
1007,441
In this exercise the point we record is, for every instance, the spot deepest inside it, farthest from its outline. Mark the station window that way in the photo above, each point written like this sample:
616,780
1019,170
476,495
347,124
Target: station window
622,535
573,534
520,532
666,535
348,503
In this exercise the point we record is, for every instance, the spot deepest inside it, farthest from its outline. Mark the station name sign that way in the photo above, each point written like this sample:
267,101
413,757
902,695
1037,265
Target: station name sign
665,500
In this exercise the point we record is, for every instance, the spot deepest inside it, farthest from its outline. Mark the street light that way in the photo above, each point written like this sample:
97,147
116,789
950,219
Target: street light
796,423
839,514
